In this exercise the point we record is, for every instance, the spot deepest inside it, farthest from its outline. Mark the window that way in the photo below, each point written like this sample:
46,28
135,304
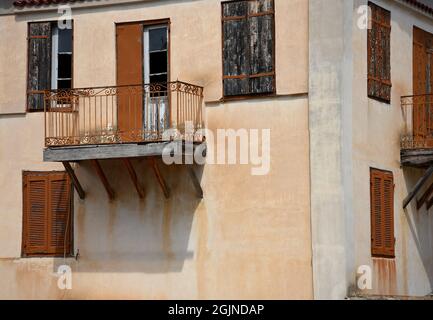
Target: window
47,216
61,74
248,47
49,61
379,54
155,54
382,213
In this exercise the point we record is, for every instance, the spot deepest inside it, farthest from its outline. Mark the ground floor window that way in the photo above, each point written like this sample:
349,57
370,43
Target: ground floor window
382,213
47,214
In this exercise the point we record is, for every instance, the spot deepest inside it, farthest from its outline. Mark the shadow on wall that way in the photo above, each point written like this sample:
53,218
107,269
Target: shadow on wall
420,223
129,234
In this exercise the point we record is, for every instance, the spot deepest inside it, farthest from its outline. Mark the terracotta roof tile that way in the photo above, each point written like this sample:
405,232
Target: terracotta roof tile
424,5
23,3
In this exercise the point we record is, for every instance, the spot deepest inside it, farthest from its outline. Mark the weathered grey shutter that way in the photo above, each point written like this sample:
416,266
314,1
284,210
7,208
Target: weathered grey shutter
235,48
248,47
261,33
39,64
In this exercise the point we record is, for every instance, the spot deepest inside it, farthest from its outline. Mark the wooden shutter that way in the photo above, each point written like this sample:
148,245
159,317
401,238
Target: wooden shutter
261,32
248,47
129,50
235,48
379,54
35,233
422,84
59,217
382,213
39,64
47,213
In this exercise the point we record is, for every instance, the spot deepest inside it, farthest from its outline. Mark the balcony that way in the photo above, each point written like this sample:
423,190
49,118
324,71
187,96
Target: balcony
123,122
122,114
417,138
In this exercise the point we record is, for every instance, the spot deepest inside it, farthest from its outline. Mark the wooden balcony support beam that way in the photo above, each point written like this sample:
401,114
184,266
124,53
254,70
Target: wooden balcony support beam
426,196
74,180
429,204
195,182
134,178
103,178
159,177
418,186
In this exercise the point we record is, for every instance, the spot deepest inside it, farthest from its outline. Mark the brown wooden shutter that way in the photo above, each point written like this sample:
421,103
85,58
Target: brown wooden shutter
59,214
39,64
379,54
388,214
248,47
47,213
35,233
382,213
129,48
422,84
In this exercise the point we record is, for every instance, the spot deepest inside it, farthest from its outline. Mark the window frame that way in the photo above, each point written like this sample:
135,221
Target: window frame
25,254
31,110
274,72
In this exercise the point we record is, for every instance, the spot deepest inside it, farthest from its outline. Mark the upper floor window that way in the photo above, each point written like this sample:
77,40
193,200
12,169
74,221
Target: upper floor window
382,213
49,61
248,47
379,54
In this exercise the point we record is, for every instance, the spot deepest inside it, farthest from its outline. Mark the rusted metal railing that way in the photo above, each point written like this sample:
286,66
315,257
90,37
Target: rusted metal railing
418,116
123,114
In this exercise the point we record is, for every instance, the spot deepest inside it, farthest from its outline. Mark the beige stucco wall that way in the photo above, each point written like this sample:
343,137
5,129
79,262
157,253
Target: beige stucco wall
250,235
376,143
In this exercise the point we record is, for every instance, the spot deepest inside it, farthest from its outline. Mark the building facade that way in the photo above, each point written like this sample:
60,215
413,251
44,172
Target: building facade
93,94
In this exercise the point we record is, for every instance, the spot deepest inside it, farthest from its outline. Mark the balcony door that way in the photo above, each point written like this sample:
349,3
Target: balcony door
422,86
142,76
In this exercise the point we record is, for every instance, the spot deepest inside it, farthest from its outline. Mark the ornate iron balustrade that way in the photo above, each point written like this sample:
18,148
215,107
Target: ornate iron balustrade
418,116
124,114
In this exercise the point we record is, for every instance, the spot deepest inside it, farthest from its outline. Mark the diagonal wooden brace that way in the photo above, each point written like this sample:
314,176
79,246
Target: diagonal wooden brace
134,178
74,180
159,177
195,182
103,178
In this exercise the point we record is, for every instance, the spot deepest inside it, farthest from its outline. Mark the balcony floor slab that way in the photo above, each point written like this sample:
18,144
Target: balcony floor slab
418,158
113,151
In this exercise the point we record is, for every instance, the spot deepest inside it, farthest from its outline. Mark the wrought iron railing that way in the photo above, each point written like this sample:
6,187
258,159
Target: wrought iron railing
123,114
418,117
